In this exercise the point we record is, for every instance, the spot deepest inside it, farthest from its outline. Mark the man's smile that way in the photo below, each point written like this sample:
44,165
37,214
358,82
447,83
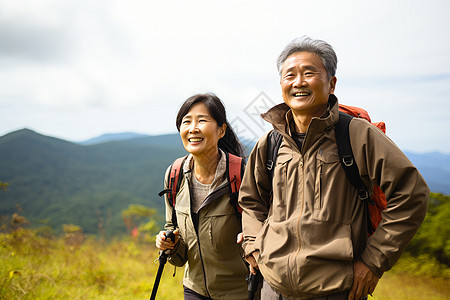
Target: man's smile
302,93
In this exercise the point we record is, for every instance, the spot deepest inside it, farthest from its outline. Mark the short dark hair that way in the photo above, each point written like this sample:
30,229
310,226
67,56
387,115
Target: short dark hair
229,142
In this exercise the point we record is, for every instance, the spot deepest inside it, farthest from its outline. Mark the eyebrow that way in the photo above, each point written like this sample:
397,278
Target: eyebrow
310,67
198,116
203,116
307,67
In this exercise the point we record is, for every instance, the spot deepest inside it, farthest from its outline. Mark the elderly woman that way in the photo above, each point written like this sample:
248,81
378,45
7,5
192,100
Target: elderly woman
206,222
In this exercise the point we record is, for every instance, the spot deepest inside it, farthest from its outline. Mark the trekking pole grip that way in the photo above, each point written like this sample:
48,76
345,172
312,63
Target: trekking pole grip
170,235
164,254
162,261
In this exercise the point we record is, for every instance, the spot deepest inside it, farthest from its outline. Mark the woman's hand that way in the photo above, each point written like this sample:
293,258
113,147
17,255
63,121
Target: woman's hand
163,243
240,238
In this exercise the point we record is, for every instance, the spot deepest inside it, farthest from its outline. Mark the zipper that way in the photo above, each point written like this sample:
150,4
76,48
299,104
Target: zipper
203,265
198,240
303,203
299,221
320,185
210,233
221,190
210,197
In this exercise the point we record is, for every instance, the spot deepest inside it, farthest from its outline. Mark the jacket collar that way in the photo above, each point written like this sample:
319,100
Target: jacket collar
280,115
220,176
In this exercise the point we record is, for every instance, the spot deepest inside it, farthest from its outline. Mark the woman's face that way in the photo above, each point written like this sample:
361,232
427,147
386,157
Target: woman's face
199,131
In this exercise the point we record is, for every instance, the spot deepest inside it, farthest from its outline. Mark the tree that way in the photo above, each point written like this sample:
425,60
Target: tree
3,185
433,236
138,220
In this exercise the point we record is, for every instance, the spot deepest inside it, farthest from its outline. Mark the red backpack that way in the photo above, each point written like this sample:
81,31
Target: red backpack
377,202
234,172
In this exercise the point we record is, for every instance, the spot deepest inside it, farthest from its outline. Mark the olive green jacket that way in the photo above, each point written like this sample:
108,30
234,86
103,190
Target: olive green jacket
312,228
215,266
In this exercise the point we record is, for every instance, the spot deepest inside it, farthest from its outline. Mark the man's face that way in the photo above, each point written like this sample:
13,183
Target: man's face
305,84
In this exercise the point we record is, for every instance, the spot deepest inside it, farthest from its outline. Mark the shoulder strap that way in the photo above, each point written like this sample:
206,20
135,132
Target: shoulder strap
274,140
346,155
234,170
234,174
174,180
349,164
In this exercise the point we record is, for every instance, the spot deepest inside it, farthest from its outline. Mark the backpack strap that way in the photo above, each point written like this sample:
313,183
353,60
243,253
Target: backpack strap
346,155
274,140
234,172
175,178
174,181
349,164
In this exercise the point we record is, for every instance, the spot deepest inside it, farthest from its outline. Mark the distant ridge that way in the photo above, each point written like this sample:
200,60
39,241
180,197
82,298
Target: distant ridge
108,137
67,183
71,183
435,168
28,133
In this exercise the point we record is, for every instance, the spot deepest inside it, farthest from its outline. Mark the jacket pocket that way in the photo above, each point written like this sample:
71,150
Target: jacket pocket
182,220
319,183
223,230
223,250
275,246
280,187
326,255
327,187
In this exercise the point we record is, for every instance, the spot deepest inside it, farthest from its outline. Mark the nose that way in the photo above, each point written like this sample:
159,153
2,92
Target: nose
299,81
193,127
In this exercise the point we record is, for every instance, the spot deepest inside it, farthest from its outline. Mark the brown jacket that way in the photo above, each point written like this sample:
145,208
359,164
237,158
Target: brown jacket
215,262
313,228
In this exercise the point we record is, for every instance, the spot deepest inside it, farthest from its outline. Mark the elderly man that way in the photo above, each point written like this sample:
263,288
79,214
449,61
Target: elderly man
306,230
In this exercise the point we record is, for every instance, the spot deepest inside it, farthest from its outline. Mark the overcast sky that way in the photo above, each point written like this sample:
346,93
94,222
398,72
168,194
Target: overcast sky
79,68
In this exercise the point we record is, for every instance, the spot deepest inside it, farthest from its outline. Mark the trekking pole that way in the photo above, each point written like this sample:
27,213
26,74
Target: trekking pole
253,283
162,261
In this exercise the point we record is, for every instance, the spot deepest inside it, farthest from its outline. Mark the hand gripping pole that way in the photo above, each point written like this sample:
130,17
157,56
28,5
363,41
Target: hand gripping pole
162,261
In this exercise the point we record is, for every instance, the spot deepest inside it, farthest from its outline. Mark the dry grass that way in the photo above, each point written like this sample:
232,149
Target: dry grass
33,267
405,286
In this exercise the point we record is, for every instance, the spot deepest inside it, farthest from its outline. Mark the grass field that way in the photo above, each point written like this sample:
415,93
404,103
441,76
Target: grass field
34,267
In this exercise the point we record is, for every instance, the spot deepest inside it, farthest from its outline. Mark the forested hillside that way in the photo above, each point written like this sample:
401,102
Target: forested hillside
59,182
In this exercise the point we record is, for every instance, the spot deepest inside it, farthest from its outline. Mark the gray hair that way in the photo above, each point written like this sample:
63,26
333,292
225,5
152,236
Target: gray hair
306,44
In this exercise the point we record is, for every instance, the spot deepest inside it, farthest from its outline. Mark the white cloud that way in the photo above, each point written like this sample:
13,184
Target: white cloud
76,69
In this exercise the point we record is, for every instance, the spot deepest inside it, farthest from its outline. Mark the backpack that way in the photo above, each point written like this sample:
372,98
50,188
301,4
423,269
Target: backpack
375,204
234,172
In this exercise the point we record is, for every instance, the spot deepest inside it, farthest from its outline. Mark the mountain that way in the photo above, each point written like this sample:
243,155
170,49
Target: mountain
108,137
435,168
69,183
60,182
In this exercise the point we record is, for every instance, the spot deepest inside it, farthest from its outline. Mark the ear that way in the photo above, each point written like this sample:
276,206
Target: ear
333,81
222,130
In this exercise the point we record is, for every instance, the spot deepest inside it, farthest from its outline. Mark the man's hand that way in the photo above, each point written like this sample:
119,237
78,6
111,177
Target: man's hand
364,281
251,259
